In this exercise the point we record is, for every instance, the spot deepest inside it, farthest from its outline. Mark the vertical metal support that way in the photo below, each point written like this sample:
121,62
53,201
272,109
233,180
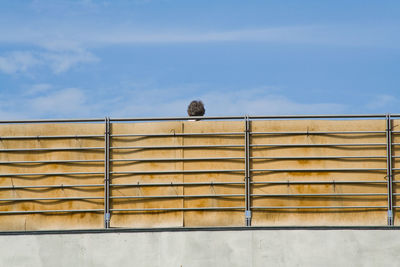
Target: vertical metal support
107,215
247,172
389,174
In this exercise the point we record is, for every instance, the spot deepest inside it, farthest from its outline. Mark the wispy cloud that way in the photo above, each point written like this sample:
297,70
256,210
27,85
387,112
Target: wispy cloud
61,52
57,61
65,102
258,101
62,61
18,61
76,37
342,35
383,102
38,89
147,99
46,101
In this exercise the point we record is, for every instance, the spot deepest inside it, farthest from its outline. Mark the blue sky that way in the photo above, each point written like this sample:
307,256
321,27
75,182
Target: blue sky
140,58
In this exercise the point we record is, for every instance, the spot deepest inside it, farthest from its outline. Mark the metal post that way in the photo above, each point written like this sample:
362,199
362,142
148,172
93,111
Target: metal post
247,172
389,169
107,215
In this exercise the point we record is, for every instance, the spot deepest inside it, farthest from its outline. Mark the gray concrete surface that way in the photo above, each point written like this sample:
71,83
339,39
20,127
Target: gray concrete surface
205,248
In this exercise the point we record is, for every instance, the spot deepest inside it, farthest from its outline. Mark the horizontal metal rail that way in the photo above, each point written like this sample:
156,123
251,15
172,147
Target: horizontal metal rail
49,211
176,134
321,157
48,199
177,159
316,133
181,209
241,146
191,209
51,121
205,159
242,183
100,120
319,207
178,118
175,171
49,174
333,116
174,147
176,184
320,195
49,149
178,196
318,182
319,170
316,145
51,161
253,195
49,186
191,171
180,147
50,137
193,159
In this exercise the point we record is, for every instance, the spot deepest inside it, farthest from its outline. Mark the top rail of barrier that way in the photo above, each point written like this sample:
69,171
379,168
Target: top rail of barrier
183,118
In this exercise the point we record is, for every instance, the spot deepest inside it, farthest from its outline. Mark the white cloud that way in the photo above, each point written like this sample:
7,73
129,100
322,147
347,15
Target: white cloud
47,101
66,46
67,102
259,101
148,100
38,88
298,34
18,61
57,61
76,36
63,61
254,102
380,102
342,35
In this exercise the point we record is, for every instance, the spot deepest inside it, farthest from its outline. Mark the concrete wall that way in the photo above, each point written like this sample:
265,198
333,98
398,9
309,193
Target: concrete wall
205,248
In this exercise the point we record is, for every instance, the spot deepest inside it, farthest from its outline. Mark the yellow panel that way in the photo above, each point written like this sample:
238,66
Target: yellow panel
148,218
321,216
216,217
53,220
